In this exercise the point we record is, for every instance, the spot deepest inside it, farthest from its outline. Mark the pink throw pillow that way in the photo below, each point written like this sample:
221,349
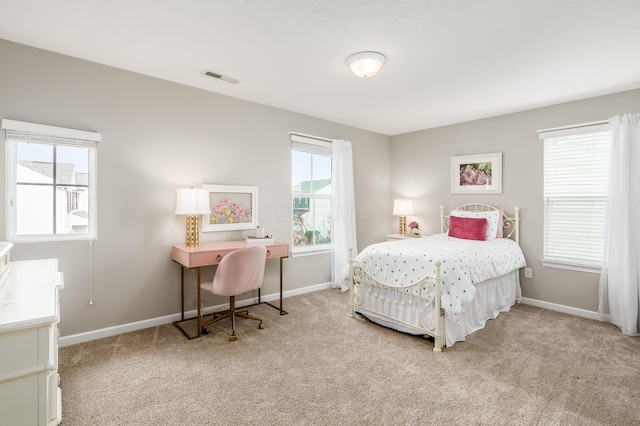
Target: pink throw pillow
468,228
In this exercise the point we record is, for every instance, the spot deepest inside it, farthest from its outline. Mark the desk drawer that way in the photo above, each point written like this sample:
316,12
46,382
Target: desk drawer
214,257
278,251
207,258
209,254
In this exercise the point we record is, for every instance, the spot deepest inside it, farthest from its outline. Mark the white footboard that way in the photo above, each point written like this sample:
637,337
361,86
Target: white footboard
416,306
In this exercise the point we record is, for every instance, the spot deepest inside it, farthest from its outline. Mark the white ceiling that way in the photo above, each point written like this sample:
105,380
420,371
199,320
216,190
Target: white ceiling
448,61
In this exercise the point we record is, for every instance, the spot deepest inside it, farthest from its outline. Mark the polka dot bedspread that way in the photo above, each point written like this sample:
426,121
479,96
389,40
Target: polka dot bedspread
464,263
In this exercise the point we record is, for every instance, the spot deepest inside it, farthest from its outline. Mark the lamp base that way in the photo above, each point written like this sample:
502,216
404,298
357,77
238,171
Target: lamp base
192,239
403,225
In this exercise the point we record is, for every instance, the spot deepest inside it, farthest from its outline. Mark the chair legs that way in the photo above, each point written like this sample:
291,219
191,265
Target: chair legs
233,314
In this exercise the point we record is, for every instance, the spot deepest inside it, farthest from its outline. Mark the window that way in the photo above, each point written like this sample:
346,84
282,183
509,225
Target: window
311,193
51,182
576,176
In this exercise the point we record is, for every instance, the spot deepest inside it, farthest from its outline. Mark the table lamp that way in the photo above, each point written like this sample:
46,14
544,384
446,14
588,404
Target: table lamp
403,207
192,202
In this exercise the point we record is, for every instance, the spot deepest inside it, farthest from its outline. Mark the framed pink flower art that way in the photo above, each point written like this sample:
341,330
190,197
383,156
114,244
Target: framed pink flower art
477,174
232,208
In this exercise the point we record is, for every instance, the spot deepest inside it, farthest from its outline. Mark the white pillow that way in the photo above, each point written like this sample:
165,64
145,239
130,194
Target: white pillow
493,219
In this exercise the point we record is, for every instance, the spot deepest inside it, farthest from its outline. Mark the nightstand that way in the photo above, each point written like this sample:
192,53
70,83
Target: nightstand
392,237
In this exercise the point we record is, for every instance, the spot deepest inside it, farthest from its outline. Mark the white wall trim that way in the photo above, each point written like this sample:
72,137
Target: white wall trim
561,308
571,266
154,322
42,129
303,253
168,319
574,129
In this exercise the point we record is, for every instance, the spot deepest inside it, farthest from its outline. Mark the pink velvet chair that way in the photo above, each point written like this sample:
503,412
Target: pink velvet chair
238,272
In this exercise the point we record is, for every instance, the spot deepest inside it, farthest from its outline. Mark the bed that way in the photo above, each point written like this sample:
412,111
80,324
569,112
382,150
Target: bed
445,286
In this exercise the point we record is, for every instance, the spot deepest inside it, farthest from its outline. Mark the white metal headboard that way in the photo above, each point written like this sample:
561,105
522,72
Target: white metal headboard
511,224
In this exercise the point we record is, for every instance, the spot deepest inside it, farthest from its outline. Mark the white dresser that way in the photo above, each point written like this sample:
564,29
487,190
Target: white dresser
29,316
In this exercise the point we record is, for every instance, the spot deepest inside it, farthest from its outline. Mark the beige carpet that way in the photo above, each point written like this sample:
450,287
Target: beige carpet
317,366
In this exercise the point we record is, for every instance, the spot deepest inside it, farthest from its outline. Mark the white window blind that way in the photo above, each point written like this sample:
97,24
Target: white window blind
310,144
576,175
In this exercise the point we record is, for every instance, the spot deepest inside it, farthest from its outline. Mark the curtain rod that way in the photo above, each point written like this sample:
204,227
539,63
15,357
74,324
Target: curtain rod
311,137
574,126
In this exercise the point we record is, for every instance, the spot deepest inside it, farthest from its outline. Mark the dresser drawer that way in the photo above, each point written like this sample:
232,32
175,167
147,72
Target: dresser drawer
27,350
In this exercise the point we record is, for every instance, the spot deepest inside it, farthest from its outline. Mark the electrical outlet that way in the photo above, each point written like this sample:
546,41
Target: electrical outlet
528,273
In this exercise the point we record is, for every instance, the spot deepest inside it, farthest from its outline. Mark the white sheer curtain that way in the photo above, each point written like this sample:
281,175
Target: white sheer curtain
620,278
343,204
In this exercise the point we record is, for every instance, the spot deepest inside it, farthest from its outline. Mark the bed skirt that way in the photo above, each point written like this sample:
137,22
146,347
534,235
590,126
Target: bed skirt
492,297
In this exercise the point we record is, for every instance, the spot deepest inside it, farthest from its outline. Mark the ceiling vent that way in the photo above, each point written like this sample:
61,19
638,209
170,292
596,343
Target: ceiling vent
220,76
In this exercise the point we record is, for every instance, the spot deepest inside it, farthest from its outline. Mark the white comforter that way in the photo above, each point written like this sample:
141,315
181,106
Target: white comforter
464,263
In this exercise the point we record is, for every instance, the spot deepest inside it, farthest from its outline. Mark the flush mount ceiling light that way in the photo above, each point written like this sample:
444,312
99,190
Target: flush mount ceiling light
366,64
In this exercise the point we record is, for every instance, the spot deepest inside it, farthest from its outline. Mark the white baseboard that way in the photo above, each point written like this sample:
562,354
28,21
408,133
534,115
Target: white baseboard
153,322
561,308
168,319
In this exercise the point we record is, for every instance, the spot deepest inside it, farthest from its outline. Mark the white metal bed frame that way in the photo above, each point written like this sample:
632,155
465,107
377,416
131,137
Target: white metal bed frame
410,305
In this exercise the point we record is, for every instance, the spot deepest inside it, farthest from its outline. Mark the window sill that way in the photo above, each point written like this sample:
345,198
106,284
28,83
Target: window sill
51,239
302,252
571,266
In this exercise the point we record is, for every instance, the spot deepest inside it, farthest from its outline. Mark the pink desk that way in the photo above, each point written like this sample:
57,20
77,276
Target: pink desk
208,254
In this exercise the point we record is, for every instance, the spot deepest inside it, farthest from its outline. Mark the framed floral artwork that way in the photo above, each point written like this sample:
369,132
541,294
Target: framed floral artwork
477,174
233,208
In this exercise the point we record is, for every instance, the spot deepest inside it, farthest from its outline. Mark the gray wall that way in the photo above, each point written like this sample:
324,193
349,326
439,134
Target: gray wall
159,136
420,169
